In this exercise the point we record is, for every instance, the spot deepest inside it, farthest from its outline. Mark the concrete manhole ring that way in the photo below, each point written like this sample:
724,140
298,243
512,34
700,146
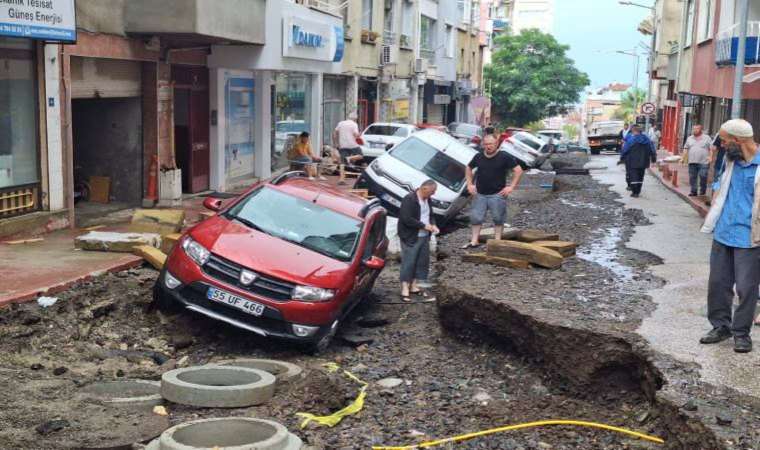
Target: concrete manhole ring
124,392
283,371
215,386
233,433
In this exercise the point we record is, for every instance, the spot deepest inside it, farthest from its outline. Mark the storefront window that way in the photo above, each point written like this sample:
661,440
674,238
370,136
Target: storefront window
239,150
334,106
292,114
18,118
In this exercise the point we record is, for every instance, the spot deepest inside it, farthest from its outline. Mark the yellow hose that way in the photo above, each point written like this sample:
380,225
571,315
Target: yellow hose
520,426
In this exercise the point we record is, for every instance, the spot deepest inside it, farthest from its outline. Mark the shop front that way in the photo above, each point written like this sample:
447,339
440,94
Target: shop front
295,86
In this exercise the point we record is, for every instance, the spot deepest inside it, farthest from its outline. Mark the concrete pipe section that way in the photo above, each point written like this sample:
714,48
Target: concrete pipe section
215,386
283,371
231,433
124,393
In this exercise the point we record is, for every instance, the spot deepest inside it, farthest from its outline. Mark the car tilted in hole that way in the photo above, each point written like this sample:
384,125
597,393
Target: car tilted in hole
287,259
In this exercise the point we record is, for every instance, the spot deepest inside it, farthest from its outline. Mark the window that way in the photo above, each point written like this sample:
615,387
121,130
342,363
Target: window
689,24
450,41
407,24
375,237
292,113
464,10
427,35
705,20
366,14
18,113
437,165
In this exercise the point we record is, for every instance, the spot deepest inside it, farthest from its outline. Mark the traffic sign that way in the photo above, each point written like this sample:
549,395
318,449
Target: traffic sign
648,108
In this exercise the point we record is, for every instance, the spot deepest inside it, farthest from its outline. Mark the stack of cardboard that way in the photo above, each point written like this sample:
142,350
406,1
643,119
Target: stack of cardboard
522,248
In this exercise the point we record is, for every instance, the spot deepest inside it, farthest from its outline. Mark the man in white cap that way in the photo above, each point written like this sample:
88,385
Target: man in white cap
734,220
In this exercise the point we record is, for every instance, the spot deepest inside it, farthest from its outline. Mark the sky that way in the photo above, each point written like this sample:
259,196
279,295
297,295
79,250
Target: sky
594,30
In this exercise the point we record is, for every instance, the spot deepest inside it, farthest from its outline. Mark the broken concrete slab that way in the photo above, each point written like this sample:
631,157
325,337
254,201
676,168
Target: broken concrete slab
160,221
168,241
152,255
534,254
482,258
109,241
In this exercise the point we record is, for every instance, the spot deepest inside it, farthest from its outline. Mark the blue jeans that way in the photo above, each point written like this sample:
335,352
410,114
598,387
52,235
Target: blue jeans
481,204
698,172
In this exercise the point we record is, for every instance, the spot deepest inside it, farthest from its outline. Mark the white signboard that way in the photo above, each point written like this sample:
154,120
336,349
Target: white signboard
311,39
441,99
51,20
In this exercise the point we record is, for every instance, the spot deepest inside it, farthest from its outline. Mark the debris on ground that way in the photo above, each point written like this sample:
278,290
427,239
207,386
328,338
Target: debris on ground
111,241
158,221
168,241
46,302
152,255
24,241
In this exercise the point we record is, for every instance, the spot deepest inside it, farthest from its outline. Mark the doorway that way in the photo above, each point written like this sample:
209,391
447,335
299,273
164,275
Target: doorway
191,126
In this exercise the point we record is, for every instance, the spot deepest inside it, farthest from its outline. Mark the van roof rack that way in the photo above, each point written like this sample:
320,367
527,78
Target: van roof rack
374,203
288,175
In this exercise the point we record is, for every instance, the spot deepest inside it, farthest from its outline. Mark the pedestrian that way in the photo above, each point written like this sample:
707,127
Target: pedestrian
654,136
697,151
415,226
487,183
346,136
734,220
638,153
302,155
624,133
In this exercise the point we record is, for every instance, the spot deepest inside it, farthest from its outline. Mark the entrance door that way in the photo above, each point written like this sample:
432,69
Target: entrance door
191,126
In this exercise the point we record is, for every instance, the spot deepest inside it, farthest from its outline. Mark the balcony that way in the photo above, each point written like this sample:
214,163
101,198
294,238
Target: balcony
187,23
727,45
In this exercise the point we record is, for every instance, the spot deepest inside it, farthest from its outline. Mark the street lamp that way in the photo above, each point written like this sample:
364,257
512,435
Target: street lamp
652,49
636,55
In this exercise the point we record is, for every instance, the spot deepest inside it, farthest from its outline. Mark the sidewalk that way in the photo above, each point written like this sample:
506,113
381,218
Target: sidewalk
675,176
29,270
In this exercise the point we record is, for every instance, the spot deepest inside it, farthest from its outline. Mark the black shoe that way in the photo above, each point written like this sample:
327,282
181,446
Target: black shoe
692,194
742,344
716,335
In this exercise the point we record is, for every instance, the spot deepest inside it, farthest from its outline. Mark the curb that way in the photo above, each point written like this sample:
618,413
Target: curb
701,208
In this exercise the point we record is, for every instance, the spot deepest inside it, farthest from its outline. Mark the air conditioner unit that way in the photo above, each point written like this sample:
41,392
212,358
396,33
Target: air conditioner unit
386,55
420,65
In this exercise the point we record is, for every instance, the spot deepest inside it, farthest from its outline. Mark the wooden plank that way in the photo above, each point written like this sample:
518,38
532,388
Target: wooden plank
100,189
534,254
24,241
564,248
482,258
508,233
529,235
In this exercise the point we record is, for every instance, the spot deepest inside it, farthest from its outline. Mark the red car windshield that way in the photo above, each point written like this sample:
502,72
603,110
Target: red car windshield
299,221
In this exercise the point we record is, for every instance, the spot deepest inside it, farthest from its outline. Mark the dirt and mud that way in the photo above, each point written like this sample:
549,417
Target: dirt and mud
515,346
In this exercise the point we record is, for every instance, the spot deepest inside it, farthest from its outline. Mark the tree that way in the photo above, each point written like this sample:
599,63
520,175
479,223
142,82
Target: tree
570,130
530,77
630,104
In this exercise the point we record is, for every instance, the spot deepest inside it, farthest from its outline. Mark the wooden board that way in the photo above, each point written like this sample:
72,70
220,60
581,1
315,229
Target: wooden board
482,258
564,248
534,254
536,235
100,189
508,233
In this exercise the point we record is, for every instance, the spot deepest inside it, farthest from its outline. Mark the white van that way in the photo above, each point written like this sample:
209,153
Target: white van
427,154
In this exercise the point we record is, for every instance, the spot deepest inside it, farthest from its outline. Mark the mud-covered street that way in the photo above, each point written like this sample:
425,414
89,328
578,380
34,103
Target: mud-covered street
501,346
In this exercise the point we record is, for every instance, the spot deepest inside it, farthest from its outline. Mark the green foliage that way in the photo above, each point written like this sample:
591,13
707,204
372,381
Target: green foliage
534,126
571,131
530,77
630,104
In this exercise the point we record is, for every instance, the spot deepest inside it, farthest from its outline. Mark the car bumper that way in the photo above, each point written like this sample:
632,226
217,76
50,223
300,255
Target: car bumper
270,324
392,202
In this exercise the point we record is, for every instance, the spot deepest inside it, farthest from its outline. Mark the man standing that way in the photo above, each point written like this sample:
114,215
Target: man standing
415,226
345,136
638,153
624,134
697,149
654,136
489,187
734,220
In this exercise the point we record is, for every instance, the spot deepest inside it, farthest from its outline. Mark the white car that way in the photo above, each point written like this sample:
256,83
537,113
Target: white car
426,154
378,136
527,148
285,128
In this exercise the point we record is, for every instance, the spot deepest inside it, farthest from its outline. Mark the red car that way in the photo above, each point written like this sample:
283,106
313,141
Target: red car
288,259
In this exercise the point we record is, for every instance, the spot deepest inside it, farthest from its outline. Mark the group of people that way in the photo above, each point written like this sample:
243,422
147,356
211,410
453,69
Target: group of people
486,178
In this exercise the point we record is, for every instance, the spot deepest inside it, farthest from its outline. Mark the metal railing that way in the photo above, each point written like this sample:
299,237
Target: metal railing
334,7
727,44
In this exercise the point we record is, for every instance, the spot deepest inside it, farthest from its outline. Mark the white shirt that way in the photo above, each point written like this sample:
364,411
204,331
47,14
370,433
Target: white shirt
424,215
347,130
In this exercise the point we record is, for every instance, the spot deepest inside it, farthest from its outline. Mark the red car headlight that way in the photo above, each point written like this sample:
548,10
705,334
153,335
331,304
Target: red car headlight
312,294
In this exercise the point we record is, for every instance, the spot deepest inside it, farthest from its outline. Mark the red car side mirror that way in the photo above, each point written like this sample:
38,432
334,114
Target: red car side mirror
213,204
374,263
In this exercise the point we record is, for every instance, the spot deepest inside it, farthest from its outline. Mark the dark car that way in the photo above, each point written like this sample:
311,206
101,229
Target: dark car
287,259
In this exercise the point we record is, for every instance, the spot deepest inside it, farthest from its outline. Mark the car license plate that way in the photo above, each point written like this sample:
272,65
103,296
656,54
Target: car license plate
391,199
228,299
377,145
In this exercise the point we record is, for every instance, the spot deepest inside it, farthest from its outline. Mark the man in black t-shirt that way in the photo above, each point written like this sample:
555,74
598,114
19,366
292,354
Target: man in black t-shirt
489,189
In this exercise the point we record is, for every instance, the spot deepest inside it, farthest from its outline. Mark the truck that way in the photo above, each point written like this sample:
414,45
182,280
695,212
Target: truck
605,135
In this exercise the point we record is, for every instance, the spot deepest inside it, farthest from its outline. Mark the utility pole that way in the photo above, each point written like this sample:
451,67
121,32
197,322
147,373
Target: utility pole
652,54
736,105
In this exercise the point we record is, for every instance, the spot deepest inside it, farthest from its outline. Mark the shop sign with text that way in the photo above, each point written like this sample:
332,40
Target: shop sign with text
50,20
311,39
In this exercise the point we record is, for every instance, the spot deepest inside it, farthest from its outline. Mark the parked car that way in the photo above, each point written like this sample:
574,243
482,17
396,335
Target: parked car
427,154
573,147
467,133
285,128
287,259
546,135
379,137
531,151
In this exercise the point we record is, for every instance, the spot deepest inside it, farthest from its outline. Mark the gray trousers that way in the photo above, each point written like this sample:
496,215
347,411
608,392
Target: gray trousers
698,173
729,267
415,260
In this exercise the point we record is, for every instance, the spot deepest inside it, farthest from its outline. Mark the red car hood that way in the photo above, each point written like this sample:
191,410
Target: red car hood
267,254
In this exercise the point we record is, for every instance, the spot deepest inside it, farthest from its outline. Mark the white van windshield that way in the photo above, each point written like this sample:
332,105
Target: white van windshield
435,164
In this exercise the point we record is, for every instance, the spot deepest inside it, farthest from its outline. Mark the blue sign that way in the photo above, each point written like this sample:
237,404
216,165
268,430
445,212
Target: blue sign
306,39
51,20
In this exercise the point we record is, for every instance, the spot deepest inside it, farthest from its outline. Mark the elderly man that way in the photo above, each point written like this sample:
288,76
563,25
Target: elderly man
697,149
734,221
489,187
415,225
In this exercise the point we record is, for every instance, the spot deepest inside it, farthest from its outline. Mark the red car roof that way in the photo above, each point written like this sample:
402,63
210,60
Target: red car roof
325,195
